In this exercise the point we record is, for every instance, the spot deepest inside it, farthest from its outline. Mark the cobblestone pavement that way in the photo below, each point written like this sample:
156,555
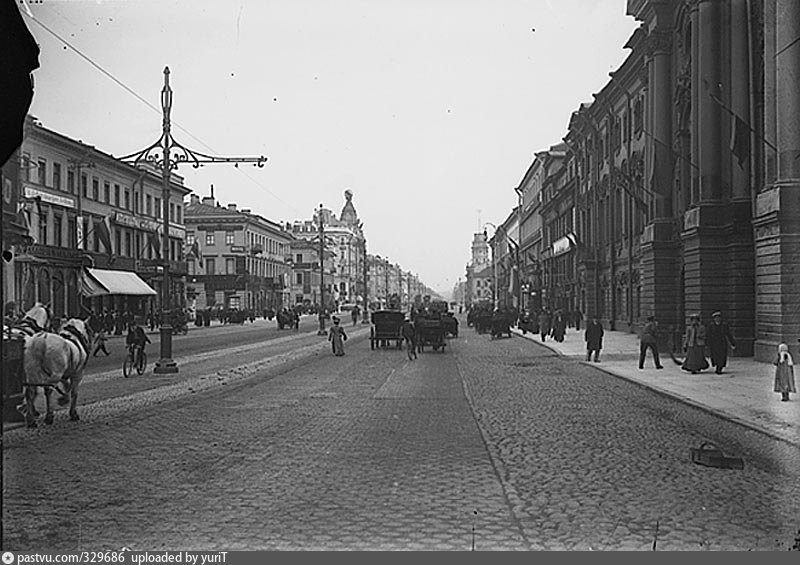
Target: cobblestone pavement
493,445
592,461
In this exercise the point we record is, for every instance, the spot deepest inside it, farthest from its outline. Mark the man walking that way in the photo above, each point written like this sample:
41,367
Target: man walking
594,339
544,324
409,334
648,340
718,336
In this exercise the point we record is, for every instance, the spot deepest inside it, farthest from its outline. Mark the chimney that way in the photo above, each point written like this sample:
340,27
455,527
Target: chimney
194,199
208,200
232,206
246,210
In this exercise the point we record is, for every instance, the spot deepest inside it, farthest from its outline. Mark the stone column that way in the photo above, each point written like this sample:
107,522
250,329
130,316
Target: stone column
660,253
777,223
740,306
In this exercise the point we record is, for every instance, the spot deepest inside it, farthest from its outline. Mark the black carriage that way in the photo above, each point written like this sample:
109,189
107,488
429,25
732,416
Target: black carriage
500,324
528,323
430,331
450,324
482,322
13,395
386,328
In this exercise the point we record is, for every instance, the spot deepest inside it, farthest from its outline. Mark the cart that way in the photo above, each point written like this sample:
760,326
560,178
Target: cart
386,328
430,332
500,324
450,324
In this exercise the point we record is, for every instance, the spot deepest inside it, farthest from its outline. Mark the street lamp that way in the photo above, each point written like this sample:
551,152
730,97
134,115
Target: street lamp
166,154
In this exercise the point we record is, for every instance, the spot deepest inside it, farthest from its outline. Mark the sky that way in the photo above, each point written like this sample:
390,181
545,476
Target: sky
429,111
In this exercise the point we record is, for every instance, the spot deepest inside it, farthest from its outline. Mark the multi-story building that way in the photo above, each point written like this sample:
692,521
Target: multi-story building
240,262
506,261
345,235
479,285
305,285
92,219
682,174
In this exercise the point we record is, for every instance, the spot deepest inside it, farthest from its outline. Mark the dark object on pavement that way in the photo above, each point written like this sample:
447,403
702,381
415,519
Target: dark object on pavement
710,455
501,324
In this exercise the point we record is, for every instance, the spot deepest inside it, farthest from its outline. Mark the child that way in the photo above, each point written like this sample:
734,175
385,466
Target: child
784,373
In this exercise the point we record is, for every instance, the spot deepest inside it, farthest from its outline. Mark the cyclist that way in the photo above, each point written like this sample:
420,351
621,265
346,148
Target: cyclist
137,340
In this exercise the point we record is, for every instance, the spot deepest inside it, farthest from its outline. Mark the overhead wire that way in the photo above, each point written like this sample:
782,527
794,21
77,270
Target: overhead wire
139,97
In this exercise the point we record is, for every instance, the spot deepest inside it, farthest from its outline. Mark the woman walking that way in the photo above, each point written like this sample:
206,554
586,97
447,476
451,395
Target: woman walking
337,337
594,339
784,373
694,344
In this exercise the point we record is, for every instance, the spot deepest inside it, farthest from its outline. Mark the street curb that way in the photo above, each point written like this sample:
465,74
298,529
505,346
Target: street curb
674,395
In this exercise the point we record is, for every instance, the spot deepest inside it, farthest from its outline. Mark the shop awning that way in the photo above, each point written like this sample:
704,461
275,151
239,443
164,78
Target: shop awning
100,282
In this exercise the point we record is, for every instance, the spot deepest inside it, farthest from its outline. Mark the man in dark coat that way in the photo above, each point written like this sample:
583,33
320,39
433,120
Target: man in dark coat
718,336
594,339
544,324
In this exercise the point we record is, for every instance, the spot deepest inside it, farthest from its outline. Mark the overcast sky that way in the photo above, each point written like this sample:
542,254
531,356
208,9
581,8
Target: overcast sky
430,111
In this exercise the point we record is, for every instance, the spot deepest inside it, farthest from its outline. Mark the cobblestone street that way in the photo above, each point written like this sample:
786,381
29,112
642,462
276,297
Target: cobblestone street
492,445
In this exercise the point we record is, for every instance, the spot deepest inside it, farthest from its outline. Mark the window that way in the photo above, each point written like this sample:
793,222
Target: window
84,186
26,164
116,195
210,238
41,171
128,246
95,189
127,199
135,202
158,208
230,266
117,240
71,182
57,176
229,238
72,234
57,224
210,267
299,278
43,228
148,205
299,258
189,238
106,192
178,215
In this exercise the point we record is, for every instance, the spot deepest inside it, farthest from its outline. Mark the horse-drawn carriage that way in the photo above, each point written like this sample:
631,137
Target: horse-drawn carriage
450,324
288,319
386,328
430,331
501,324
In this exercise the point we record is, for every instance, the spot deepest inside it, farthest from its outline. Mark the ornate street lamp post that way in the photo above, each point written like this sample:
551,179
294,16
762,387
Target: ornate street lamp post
165,155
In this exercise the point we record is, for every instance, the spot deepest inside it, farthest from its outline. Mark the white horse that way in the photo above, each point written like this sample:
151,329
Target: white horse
35,320
51,359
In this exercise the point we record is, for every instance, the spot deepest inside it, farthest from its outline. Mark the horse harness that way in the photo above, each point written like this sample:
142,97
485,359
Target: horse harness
71,334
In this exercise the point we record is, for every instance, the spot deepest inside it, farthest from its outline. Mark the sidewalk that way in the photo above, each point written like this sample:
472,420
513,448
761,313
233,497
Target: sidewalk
743,393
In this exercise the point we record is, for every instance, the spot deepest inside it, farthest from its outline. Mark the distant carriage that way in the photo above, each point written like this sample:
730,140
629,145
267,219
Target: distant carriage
386,328
430,331
501,324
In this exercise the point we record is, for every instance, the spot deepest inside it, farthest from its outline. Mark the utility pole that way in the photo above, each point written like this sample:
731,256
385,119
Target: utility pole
166,154
322,330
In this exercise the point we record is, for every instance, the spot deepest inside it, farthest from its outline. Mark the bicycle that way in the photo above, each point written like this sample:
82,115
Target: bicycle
133,361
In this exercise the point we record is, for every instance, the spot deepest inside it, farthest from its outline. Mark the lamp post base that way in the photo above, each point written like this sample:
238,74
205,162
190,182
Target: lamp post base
166,365
322,331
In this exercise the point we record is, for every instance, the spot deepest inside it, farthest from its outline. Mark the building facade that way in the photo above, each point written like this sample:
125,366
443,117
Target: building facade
82,208
239,261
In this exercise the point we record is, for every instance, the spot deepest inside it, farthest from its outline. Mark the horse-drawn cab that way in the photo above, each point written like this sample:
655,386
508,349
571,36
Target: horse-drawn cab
501,323
385,328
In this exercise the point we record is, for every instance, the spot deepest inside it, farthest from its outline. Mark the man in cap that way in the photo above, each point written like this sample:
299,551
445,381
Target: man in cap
718,336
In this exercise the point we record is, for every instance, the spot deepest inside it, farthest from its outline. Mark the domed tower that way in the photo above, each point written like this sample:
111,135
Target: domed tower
349,216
